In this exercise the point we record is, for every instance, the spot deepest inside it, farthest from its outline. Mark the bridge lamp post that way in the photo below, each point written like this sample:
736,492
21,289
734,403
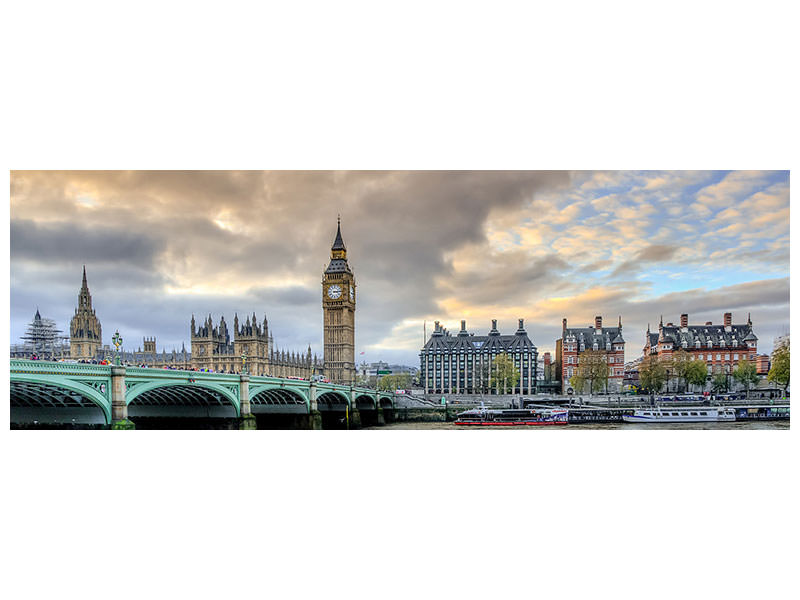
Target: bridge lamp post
117,341
244,362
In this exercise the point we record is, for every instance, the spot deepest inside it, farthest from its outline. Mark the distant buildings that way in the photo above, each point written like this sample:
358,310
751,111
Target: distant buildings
607,341
464,363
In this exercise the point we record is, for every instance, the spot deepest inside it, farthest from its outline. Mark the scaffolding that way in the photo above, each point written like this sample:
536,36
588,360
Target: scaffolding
42,340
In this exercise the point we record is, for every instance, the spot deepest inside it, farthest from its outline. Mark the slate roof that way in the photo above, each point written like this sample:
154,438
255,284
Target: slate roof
589,335
443,341
737,336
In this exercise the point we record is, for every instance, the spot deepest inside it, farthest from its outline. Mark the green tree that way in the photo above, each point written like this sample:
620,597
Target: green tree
390,383
505,375
696,373
779,371
577,381
680,362
652,374
719,382
592,368
745,374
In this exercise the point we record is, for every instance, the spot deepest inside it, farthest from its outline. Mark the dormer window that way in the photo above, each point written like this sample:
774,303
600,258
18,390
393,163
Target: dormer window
594,346
697,344
608,346
710,344
683,344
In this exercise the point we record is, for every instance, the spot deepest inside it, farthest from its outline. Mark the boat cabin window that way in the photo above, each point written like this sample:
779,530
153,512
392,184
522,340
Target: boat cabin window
683,414
703,413
694,414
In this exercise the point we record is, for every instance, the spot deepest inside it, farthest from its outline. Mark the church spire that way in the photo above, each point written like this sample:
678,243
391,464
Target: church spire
338,243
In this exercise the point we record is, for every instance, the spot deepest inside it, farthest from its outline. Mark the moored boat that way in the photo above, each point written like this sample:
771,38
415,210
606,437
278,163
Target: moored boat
681,415
511,417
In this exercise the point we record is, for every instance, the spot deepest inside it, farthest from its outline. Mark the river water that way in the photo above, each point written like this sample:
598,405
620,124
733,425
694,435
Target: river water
737,425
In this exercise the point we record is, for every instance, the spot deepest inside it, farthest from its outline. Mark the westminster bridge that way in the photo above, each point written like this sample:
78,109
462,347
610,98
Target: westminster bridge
56,394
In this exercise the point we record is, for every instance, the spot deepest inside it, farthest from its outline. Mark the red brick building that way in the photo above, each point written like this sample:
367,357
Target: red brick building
721,347
576,340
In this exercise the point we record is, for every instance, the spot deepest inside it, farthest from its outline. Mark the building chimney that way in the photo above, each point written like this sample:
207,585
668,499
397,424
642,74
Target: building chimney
727,319
684,320
708,323
598,322
563,327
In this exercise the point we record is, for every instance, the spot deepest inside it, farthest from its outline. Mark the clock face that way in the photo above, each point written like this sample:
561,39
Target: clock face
352,293
334,292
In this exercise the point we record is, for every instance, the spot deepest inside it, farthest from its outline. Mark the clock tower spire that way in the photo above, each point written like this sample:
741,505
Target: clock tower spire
338,309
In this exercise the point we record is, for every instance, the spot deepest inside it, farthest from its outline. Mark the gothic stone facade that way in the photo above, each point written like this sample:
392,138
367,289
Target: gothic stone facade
85,333
339,308
213,348
607,340
460,364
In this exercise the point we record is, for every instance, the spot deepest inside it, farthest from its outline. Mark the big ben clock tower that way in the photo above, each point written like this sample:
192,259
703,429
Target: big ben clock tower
339,308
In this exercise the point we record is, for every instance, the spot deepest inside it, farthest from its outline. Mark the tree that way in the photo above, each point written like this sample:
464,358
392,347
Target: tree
779,371
505,375
390,383
680,361
696,373
592,368
745,373
481,378
719,381
652,374
577,381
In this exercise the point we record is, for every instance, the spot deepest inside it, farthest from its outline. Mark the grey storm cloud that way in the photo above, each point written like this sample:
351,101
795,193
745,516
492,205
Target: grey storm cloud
71,242
137,231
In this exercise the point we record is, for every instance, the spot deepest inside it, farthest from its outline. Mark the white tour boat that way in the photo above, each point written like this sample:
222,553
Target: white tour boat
680,415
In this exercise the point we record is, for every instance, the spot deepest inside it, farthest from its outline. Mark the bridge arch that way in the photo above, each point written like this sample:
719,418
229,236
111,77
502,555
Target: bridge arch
28,389
365,401
331,399
276,397
177,393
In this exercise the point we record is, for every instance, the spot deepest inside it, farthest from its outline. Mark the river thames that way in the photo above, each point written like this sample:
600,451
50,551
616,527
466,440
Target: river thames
739,425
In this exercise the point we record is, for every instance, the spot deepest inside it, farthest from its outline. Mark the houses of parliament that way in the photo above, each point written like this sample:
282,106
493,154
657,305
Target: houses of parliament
218,348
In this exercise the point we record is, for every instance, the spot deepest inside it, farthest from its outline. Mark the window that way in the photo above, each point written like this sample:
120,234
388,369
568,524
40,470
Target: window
727,357
735,356
699,357
718,356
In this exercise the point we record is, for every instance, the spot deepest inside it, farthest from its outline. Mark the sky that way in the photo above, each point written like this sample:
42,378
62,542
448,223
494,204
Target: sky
161,246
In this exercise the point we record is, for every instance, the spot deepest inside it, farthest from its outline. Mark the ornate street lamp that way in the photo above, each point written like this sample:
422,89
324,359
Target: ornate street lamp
244,362
117,341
